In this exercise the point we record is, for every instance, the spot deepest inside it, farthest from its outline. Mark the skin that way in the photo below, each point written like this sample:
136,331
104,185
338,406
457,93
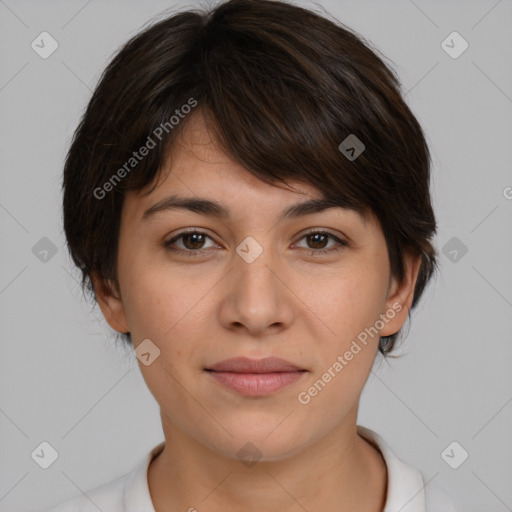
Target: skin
290,302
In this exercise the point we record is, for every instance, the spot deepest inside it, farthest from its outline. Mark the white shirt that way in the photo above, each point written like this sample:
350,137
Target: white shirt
406,491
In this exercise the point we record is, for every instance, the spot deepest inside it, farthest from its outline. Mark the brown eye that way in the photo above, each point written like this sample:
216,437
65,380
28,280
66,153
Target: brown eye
193,240
190,242
318,241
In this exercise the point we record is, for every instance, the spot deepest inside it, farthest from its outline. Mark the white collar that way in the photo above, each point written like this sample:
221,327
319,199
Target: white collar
406,487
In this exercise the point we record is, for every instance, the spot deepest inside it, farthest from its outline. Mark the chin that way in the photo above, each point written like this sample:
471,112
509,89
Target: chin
262,442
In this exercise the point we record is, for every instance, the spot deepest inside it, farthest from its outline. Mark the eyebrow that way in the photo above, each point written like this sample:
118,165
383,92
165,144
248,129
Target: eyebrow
214,209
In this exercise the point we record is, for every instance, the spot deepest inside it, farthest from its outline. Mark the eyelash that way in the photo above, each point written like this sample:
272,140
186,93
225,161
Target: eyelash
199,252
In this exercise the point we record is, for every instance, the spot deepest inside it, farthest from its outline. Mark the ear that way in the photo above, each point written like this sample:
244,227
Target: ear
110,303
400,295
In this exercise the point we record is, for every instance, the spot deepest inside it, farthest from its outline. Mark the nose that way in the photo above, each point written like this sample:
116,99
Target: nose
257,298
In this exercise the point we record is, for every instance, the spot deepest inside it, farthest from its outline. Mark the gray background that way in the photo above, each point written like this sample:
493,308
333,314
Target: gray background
64,381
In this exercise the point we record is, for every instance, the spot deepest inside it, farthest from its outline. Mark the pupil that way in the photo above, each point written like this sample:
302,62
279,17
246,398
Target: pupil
196,244
317,236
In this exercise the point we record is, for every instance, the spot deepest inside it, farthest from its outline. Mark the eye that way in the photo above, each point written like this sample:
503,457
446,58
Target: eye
317,241
192,243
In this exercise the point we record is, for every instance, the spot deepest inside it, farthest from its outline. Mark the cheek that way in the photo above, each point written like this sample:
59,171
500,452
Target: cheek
348,303
148,307
152,296
349,307
167,311
164,304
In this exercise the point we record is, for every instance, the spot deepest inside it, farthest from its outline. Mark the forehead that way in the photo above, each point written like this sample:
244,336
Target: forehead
196,165
197,153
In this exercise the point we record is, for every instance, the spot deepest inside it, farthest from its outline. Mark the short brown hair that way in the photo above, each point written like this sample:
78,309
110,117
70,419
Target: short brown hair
282,87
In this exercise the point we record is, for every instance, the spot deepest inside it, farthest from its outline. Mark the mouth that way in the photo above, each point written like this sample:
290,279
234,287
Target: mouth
255,377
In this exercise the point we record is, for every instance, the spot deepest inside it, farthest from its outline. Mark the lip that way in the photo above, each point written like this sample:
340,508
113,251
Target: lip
255,377
248,365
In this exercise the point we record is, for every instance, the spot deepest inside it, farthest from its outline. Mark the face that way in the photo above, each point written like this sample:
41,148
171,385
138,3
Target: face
251,283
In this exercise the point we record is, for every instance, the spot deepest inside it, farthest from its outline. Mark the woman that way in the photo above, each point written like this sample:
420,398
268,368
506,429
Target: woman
247,197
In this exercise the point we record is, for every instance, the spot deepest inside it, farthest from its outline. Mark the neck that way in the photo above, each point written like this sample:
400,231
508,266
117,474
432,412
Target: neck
342,472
